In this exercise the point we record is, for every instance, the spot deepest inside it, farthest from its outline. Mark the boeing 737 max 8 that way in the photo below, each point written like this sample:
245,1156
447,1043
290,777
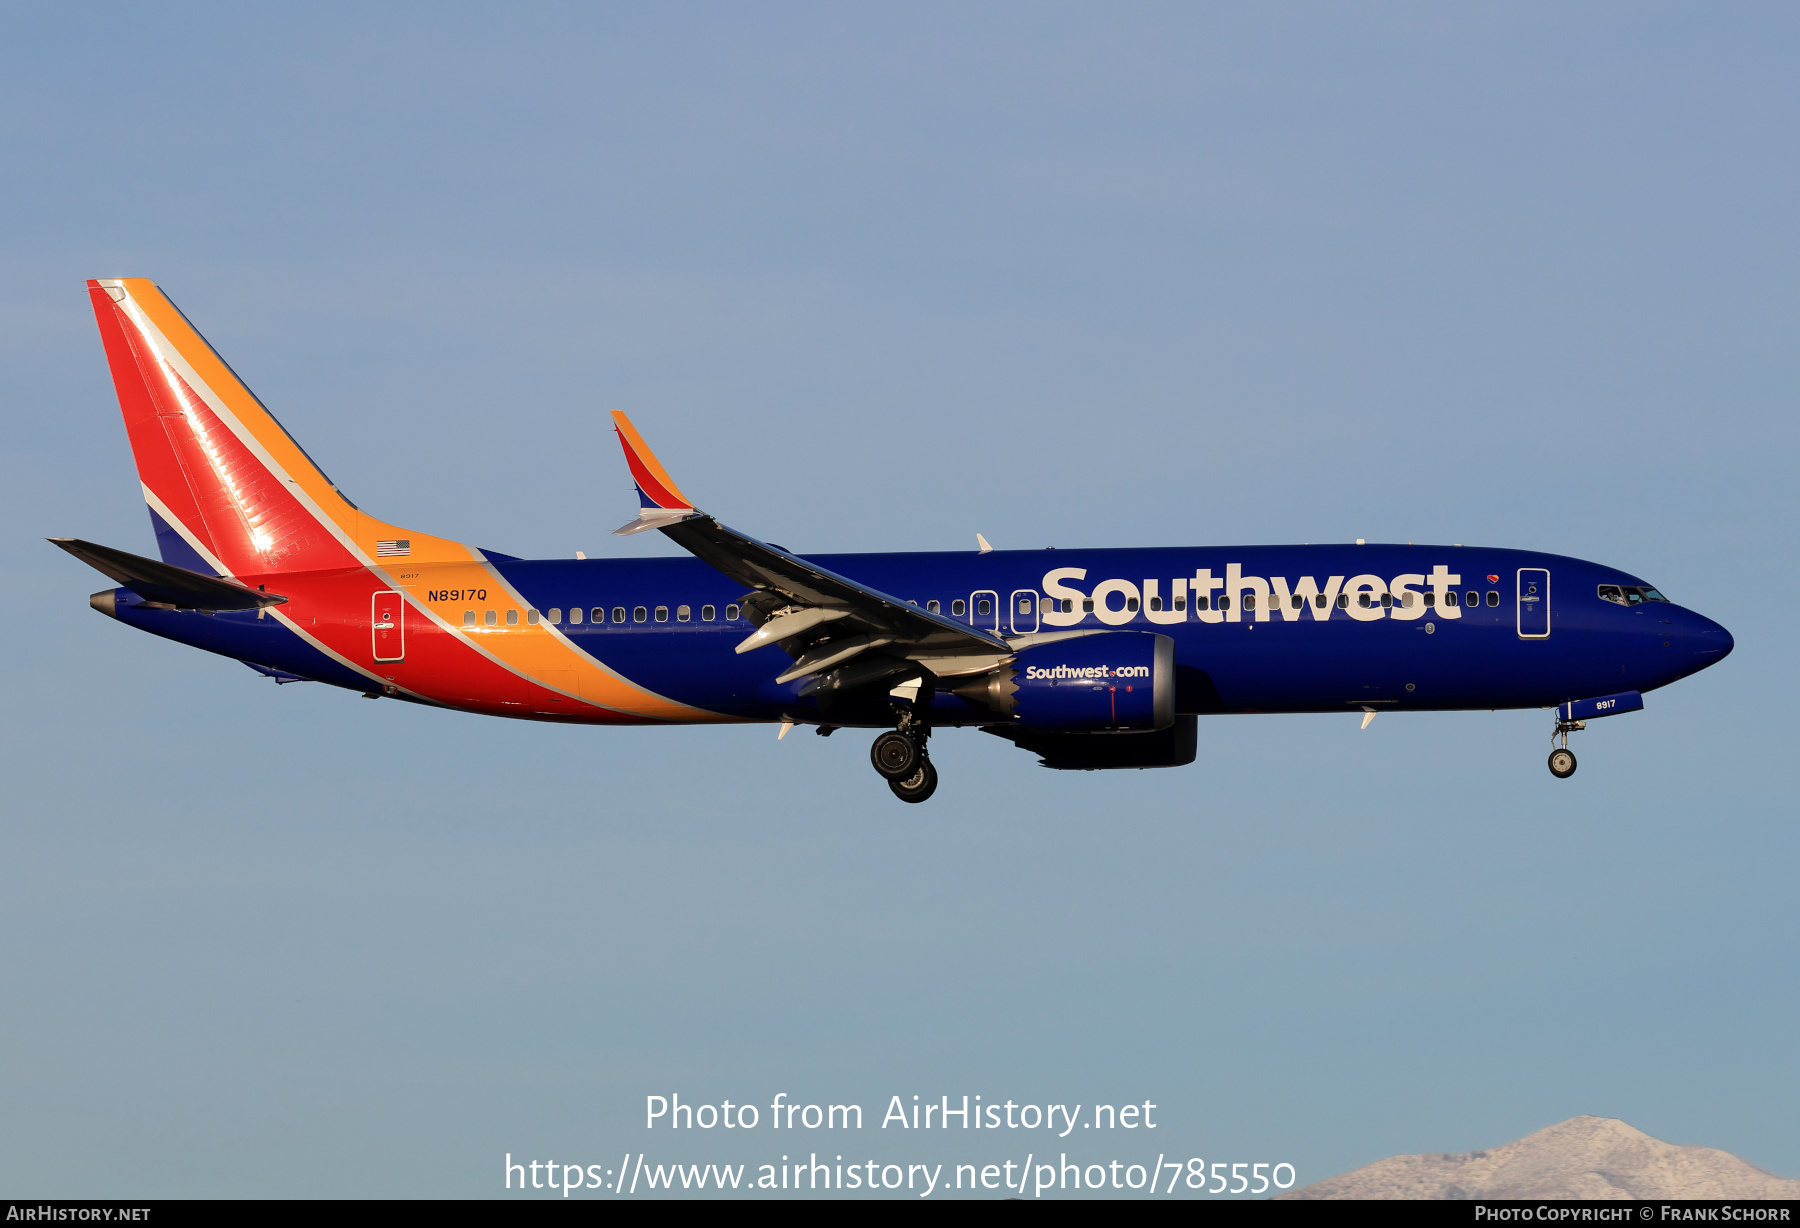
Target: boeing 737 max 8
1088,658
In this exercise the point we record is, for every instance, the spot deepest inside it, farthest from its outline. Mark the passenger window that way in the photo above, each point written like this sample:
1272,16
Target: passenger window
1201,603
1362,599
1068,605
1343,601
1297,601
618,614
958,606
683,614
1452,598
1474,598
555,616
1024,605
639,614
1493,597
1156,605
1387,599
1430,598
512,618
1180,604
489,617
708,613
984,606
1224,603
1319,600
531,616
1249,601
1131,604
575,616
932,606
731,613
662,613
468,618
1087,605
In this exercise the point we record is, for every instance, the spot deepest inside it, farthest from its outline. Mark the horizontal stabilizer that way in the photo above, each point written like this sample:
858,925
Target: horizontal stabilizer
154,580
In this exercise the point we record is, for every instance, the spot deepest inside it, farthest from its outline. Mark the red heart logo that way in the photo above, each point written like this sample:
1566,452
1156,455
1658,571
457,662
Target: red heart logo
1493,579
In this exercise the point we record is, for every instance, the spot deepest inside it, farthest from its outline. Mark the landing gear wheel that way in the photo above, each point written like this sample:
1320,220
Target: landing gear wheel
1562,763
896,756
917,787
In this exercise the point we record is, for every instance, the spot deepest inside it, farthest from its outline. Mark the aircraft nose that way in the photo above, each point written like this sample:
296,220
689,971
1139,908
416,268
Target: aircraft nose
1708,642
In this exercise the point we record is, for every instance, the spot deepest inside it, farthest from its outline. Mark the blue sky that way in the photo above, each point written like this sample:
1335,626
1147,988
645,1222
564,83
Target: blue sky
873,279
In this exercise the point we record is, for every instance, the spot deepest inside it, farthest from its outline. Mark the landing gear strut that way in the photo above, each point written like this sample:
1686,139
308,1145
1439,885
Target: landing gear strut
1562,759
899,755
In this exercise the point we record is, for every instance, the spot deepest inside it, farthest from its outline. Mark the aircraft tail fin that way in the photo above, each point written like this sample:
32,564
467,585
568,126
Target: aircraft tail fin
230,491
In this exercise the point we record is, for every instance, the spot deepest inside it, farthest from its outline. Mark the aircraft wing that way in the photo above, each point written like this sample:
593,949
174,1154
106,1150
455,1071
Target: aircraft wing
829,623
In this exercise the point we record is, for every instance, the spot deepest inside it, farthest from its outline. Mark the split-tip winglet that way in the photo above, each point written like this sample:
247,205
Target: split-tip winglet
660,501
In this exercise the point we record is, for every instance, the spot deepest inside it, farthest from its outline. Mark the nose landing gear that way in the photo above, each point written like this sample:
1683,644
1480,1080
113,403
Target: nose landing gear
1562,759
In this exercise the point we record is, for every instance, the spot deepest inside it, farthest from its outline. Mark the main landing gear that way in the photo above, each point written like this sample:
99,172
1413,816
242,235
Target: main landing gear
919,786
1562,759
899,755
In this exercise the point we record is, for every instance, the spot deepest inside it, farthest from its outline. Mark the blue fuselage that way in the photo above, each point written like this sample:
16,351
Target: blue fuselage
1258,628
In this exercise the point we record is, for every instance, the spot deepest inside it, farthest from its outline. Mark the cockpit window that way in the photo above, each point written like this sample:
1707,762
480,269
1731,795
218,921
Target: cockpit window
1630,594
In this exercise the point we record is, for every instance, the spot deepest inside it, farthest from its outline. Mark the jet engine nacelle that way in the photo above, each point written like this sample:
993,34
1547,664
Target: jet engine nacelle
1114,680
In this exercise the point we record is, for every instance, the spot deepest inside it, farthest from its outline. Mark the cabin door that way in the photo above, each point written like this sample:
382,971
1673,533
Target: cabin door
1534,603
387,618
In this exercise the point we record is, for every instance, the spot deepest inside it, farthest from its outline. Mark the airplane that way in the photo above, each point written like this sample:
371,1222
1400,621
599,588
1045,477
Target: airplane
1090,659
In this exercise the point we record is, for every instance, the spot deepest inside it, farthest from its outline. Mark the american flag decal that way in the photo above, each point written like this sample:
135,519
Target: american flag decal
392,550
